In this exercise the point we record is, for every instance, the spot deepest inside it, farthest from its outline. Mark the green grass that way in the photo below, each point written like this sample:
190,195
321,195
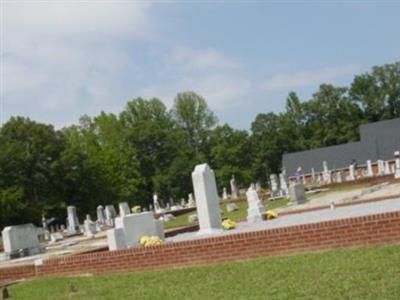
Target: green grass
238,215
365,273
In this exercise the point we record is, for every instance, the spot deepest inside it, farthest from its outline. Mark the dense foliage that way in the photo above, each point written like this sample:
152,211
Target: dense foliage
148,148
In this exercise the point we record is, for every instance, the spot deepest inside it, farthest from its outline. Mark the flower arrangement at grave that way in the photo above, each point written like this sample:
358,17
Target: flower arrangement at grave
147,240
270,214
136,209
228,224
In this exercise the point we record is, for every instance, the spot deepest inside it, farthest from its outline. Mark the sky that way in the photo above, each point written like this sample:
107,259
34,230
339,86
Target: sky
63,59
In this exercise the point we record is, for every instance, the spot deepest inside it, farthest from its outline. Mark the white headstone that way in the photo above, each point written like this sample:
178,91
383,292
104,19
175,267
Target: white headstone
156,204
381,167
352,175
20,240
101,217
370,172
191,202
284,184
397,165
73,222
111,214
124,209
137,225
256,209
258,187
326,174
313,175
205,190
234,190
339,177
224,194
116,239
387,168
274,185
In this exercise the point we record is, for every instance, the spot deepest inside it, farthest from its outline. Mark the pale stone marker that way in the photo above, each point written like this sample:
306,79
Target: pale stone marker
116,239
397,165
326,173
297,193
274,185
124,209
224,194
137,225
352,175
110,215
313,175
20,240
73,222
258,187
339,177
284,184
156,204
205,190
191,202
381,167
256,209
231,207
370,172
387,168
89,226
101,217
234,190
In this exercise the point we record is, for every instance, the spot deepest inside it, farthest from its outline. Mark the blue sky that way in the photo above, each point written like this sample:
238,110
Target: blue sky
60,60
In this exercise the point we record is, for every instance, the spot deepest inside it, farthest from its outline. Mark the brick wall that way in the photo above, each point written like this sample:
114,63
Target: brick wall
11,274
352,232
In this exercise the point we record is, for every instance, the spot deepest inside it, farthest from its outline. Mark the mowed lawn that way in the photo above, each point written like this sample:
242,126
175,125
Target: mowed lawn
364,273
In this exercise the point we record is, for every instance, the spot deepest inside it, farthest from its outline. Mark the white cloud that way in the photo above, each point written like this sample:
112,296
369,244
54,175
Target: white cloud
200,59
220,91
299,79
63,59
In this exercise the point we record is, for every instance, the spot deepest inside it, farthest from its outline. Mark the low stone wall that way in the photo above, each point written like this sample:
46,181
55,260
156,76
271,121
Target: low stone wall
353,232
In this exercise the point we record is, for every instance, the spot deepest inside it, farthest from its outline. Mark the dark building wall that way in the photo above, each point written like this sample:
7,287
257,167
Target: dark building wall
378,141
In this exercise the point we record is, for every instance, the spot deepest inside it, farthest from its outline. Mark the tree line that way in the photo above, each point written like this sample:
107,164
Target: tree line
147,148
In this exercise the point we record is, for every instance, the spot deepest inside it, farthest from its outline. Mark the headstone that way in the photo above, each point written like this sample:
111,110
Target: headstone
381,167
387,168
326,174
284,185
397,165
231,207
111,214
156,204
89,226
191,202
73,222
370,172
352,173
224,194
137,225
20,241
313,175
339,177
116,239
56,237
234,190
205,190
193,218
274,185
297,193
124,209
255,210
183,203
168,217
101,217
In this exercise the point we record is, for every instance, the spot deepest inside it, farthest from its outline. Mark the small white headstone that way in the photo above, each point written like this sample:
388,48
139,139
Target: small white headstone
381,167
231,207
73,222
234,190
111,214
191,202
20,240
224,194
124,209
297,193
370,172
101,217
116,239
397,165
256,209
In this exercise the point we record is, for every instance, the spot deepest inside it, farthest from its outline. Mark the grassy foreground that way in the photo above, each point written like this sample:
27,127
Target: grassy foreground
365,273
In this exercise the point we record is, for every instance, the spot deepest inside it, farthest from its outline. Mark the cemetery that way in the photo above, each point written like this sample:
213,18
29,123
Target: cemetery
302,218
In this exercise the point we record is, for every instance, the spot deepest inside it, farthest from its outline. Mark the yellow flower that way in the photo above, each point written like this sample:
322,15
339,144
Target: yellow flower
228,224
270,214
150,240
